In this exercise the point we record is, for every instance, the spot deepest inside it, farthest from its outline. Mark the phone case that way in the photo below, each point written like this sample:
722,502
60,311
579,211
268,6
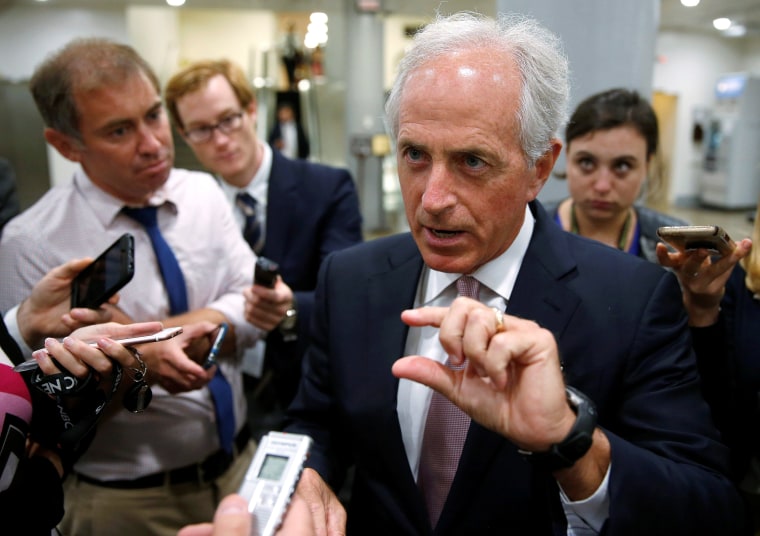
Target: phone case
690,237
265,272
106,275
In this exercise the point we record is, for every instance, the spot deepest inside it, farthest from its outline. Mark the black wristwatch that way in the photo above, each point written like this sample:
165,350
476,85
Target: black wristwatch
289,323
578,441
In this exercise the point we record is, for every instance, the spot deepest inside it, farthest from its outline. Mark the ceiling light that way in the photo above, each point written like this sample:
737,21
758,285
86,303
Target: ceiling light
175,3
318,17
722,23
689,3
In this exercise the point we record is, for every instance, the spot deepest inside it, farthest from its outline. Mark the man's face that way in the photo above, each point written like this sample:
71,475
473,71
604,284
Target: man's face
462,171
126,146
234,155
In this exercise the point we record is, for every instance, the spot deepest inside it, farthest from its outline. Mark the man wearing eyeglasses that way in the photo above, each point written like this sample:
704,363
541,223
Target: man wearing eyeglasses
301,211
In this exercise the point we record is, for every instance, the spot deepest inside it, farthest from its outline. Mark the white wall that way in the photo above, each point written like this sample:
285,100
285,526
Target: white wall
752,55
29,34
688,67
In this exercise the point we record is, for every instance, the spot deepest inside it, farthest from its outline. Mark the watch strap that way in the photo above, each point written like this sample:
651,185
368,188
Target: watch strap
577,442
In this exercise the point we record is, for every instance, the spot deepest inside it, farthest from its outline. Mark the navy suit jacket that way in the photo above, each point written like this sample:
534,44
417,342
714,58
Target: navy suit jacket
623,341
312,210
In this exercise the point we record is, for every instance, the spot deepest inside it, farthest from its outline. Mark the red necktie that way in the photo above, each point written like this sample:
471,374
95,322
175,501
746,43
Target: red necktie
445,433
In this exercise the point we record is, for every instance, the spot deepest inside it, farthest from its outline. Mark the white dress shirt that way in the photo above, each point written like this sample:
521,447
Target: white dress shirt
80,220
497,279
258,188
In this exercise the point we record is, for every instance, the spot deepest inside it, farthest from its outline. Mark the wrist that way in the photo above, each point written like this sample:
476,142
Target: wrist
702,314
577,441
26,327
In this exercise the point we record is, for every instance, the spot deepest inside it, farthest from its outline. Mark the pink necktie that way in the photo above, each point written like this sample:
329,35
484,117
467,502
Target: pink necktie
445,433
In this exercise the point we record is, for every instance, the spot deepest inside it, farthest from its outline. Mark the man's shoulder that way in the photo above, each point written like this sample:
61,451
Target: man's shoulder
48,209
188,183
306,171
651,219
180,175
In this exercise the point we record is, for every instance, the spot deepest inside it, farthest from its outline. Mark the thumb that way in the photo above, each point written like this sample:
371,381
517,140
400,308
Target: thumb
232,517
71,268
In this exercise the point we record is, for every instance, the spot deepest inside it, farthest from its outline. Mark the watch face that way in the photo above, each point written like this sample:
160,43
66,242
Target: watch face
289,322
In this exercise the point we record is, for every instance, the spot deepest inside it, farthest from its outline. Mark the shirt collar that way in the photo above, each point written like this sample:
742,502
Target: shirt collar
258,187
499,275
106,207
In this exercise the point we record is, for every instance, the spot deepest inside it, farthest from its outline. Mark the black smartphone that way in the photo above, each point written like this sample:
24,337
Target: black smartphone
216,347
265,272
688,237
106,275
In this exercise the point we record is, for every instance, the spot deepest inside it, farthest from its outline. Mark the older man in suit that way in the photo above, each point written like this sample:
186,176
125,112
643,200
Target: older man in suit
565,391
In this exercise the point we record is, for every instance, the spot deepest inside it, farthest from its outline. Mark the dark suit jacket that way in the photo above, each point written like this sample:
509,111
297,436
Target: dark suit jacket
624,342
312,210
727,353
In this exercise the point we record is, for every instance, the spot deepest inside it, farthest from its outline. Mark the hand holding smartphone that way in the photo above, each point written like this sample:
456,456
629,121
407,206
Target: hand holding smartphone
216,347
106,275
690,237
159,336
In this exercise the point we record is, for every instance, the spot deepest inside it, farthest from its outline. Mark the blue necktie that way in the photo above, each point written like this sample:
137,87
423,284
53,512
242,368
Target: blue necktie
252,227
174,282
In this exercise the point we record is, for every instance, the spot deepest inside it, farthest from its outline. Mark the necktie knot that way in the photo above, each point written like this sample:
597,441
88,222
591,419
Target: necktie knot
468,287
170,269
147,216
252,226
246,203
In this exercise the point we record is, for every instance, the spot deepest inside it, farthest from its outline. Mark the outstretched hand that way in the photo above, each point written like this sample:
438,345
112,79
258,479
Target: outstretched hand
702,278
512,382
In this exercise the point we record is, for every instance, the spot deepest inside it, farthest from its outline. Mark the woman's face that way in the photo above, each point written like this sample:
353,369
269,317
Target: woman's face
605,171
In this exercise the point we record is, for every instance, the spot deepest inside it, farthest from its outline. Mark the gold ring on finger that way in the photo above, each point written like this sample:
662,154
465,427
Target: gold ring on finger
499,319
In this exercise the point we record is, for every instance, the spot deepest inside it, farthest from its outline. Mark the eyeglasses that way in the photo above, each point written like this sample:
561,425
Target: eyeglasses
226,125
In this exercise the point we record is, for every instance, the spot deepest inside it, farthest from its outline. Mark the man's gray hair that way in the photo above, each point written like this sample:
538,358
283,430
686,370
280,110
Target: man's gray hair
537,52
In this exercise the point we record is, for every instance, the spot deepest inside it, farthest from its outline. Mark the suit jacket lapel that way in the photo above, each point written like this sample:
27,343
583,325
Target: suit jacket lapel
281,198
386,342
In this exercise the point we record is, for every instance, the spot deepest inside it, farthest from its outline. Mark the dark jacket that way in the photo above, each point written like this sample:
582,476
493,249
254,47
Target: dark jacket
624,341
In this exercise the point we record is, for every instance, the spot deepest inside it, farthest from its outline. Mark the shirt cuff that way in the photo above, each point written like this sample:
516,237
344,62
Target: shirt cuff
588,515
11,322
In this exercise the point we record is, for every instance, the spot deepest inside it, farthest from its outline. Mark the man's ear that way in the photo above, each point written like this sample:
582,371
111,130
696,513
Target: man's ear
544,166
69,148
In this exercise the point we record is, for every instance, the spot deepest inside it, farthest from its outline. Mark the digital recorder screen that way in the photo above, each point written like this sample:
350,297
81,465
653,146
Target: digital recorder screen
273,467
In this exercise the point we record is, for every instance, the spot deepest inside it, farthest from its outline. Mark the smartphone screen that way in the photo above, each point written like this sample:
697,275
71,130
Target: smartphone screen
107,274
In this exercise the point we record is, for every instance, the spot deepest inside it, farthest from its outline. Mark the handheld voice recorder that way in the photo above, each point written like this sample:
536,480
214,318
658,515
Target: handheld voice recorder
271,478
